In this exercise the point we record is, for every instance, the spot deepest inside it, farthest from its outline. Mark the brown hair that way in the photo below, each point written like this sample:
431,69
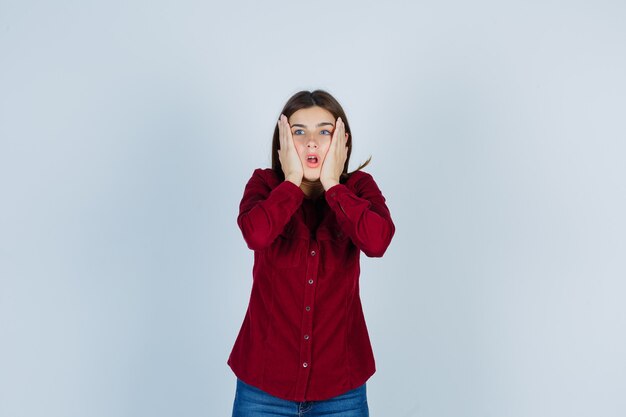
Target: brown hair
304,100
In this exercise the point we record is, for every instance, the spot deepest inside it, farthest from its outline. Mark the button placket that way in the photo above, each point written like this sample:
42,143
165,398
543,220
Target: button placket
307,318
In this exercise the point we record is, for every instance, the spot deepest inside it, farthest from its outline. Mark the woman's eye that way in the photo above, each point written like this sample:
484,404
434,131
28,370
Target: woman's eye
325,132
298,132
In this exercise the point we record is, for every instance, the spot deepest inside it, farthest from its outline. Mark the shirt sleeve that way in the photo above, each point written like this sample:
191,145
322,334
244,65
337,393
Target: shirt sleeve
362,214
264,212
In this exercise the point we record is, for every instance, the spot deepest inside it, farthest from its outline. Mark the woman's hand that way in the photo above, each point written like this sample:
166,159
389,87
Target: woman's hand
332,168
287,154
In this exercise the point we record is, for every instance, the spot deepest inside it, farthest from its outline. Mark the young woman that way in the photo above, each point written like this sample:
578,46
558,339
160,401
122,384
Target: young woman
303,348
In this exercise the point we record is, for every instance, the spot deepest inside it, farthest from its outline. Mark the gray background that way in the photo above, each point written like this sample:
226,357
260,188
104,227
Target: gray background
128,130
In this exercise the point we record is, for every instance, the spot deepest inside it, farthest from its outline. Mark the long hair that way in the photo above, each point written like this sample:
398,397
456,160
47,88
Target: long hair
304,100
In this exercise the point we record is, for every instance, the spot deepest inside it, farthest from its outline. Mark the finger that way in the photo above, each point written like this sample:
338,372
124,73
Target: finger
282,134
342,132
341,129
345,135
335,135
288,134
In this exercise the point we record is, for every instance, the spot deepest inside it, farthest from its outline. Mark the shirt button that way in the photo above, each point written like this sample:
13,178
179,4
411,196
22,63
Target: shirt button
306,337
304,365
310,281
312,253
307,308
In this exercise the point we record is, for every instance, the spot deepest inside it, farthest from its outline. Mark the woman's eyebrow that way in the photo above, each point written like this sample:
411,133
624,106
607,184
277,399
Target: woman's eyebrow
318,125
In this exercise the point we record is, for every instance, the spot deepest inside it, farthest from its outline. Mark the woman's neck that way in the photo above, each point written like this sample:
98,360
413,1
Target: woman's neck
312,189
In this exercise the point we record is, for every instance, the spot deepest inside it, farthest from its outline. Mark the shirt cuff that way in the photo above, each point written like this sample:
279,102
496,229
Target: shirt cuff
334,194
290,190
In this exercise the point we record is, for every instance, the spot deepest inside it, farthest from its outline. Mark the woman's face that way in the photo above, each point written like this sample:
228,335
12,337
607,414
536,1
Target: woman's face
312,129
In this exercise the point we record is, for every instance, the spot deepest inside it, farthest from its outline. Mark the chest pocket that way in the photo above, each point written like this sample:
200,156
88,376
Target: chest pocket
288,250
338,247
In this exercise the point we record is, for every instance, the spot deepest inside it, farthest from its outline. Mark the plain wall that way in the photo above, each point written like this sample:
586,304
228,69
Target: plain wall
128,130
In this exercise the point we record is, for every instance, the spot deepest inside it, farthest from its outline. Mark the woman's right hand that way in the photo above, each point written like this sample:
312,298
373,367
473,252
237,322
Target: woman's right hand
287,154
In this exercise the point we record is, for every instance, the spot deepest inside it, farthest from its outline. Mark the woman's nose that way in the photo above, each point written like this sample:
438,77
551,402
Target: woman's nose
311,142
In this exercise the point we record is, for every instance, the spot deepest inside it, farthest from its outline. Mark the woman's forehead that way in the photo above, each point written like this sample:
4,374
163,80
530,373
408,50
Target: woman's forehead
311,117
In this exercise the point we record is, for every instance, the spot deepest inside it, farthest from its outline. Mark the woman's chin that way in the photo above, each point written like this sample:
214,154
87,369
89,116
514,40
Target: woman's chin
311,174
312,177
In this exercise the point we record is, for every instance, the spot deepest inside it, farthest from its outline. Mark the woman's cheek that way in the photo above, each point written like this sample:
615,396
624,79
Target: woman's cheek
326,149
301,151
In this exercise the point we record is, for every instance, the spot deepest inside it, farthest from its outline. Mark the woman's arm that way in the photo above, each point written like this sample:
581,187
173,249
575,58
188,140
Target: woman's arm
264,212
362,214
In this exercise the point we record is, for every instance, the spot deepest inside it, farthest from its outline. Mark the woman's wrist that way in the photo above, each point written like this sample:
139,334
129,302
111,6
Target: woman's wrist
294,179
329,184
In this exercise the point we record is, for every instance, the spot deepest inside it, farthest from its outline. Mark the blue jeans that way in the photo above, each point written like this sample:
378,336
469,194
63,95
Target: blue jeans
252,402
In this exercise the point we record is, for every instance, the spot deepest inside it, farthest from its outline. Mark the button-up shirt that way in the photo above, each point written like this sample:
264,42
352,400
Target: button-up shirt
304,336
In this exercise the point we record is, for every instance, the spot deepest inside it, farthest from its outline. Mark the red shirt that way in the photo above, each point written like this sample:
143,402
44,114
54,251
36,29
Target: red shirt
304,336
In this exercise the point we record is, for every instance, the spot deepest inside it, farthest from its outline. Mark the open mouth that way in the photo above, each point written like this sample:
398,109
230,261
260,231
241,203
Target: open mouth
312,160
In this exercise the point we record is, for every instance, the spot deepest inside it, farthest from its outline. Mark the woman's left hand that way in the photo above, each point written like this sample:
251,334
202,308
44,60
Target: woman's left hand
332,168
